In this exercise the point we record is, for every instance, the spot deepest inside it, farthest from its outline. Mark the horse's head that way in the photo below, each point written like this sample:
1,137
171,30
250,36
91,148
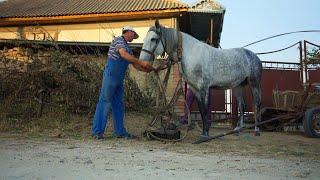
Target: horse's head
153,44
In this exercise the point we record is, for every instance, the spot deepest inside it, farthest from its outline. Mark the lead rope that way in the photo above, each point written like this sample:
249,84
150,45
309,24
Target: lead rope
165,108
149,132
179,90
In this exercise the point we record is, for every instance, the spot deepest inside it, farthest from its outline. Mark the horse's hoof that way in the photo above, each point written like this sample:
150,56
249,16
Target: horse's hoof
238,129
257,133
204,136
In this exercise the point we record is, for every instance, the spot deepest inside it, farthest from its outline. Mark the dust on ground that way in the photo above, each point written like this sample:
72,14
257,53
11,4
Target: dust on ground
57,155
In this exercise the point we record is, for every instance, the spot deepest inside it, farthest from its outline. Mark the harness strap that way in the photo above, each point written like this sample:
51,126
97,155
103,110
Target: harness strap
179,49
149,52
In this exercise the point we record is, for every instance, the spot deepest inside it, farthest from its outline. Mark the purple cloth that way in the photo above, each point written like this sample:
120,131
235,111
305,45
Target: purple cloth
190,97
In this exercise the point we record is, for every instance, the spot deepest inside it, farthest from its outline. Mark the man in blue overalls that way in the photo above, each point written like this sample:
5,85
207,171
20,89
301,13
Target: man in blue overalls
111,94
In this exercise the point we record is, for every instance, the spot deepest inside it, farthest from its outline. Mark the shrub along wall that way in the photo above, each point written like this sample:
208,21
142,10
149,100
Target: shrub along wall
46,82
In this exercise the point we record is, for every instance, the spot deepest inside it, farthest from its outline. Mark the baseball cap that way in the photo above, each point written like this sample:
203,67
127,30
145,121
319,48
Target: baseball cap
129,28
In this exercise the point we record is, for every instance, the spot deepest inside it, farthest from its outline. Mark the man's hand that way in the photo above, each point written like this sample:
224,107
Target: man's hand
146,65
138,64
143,66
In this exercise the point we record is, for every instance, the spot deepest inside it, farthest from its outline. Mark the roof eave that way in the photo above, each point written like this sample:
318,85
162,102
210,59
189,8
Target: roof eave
91,17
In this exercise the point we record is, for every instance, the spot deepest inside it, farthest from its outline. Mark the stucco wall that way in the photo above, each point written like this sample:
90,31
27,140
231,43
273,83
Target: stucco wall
88,32
8,33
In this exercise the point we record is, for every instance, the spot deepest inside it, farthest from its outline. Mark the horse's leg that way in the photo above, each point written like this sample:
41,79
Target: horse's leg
238,93
203,108
256,92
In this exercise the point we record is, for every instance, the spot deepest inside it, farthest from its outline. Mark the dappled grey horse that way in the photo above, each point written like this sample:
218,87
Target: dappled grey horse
204,67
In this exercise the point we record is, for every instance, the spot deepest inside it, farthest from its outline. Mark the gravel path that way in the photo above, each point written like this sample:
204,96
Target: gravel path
121,159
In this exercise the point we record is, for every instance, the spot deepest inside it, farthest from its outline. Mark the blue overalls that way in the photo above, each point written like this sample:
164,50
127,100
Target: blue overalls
111,97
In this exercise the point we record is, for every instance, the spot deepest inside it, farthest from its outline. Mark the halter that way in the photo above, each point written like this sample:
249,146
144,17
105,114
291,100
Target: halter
152,52
171,60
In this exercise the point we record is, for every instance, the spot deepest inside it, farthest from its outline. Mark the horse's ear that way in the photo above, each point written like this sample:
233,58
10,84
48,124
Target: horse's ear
157,24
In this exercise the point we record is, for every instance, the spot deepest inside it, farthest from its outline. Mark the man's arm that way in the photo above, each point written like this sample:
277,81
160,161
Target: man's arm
140,65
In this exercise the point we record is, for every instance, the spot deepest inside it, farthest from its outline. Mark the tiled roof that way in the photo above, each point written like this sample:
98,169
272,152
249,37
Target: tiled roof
207,6
46,8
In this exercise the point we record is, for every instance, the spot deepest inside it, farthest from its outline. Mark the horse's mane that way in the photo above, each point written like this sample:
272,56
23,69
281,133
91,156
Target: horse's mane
171,38
171,32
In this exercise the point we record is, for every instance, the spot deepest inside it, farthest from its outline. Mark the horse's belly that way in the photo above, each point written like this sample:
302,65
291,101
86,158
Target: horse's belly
228,81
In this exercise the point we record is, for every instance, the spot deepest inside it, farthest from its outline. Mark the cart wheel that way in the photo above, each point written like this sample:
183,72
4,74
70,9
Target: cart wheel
311,122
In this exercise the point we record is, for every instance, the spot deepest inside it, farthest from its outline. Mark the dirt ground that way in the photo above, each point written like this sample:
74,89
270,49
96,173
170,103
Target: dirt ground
56,155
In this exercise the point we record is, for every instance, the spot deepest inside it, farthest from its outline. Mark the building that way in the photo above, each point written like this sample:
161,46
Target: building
100,20
94,23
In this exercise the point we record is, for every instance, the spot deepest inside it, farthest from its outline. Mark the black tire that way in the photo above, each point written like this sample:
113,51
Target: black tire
311,122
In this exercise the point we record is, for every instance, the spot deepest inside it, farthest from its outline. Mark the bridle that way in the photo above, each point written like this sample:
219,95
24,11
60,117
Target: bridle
157,43
169,60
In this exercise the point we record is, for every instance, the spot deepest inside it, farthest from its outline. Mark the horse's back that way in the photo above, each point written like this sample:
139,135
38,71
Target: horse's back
230,67
242,56
204,65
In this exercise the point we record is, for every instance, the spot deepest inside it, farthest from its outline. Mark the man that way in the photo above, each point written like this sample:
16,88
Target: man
111,94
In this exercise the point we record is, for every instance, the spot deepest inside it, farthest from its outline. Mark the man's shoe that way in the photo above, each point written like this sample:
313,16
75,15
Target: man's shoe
98,137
